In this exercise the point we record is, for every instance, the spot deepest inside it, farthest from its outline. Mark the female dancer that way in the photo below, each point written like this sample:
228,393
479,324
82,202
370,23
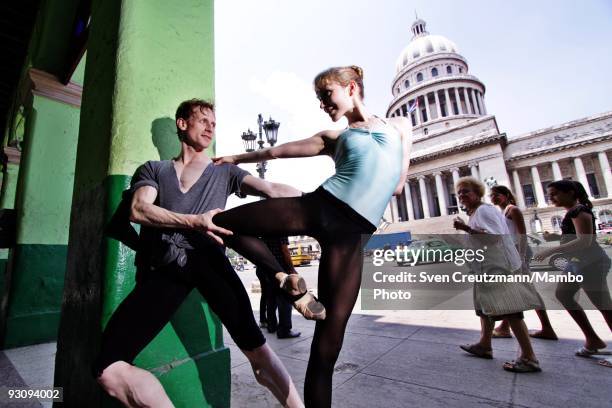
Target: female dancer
371,157
587,258
502,197
485,219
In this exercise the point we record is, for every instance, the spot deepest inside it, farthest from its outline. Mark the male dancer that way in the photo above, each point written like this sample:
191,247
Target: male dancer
174,201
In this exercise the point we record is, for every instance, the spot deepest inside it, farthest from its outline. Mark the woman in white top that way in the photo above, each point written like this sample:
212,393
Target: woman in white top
488,226
502,197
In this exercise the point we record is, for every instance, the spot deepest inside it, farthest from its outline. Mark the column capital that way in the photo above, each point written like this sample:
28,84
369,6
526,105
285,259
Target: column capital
452,169
437,173
421,177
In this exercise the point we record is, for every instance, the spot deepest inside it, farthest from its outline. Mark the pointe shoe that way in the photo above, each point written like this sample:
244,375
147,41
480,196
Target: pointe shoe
294,285
310,307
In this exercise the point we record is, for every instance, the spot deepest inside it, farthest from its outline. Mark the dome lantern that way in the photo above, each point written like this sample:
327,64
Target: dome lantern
418,28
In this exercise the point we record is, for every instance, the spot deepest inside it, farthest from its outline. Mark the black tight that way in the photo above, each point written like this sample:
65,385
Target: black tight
341,233
159,293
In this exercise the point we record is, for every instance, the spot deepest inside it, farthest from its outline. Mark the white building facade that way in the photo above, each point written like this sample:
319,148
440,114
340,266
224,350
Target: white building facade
454,136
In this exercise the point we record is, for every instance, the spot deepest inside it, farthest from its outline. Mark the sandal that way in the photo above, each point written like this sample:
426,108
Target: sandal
478,350
607,362
294,285
587,352
522,365
310,307
501,335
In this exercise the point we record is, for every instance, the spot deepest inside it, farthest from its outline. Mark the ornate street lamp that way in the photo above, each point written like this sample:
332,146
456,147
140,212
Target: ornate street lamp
248,139
270,128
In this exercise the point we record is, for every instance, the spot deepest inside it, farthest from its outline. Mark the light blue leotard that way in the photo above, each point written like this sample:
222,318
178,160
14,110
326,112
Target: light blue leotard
368,168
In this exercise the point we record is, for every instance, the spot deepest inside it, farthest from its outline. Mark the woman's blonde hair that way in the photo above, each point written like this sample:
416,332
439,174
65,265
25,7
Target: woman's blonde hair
341,75
476,185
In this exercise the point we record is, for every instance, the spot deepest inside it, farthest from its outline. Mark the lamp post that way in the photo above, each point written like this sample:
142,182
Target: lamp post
270,128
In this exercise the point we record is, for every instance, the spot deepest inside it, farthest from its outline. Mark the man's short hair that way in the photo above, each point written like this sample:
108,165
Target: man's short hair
186,108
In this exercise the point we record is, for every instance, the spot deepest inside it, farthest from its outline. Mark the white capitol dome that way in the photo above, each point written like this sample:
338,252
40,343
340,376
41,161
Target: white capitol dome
422,46
432,86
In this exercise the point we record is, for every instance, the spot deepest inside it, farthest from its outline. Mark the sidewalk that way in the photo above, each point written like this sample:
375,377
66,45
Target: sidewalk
401,359
408,358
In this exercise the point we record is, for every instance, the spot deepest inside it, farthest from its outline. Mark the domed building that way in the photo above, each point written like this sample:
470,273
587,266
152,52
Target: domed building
454,136
432,77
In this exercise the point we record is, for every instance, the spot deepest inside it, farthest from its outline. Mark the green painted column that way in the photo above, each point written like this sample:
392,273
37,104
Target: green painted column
43,197
7,201
45,115
144,58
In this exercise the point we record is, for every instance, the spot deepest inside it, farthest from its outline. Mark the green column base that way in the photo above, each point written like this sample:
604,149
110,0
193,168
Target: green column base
35,295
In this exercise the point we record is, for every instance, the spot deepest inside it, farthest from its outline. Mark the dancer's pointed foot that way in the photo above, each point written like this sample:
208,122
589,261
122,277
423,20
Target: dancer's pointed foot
293,284
310,307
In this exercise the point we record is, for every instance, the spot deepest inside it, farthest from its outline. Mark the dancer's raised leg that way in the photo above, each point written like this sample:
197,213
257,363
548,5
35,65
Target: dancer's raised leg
275,217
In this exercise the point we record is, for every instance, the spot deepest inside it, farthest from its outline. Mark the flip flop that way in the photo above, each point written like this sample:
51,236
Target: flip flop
499,335
606,362
522,366
586,352
478,351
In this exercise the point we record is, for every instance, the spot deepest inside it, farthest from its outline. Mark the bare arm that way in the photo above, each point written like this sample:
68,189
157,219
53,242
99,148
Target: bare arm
255,186
406,134
313,146
584,237
144,212
519,222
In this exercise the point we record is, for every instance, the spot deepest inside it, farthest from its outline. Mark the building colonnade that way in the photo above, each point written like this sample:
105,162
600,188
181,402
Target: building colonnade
439,103
431,195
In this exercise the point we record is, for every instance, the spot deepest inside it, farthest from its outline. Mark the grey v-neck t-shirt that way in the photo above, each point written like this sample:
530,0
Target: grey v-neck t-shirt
164,245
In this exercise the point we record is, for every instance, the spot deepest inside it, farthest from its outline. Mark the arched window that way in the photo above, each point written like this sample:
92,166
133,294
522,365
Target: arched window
419,77
449,70
406,84
460,70
556,222
434,72
605,216
425,131
398,90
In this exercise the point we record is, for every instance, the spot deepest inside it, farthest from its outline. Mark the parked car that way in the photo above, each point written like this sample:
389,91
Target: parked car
429,244
555,261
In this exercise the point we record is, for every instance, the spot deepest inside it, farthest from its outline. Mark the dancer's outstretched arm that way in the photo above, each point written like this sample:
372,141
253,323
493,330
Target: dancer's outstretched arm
255,186
319,144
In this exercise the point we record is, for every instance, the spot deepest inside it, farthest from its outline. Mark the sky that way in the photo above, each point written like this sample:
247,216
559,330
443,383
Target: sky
542,62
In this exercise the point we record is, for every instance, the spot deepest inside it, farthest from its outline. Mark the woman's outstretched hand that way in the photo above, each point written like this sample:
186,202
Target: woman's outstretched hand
224,159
